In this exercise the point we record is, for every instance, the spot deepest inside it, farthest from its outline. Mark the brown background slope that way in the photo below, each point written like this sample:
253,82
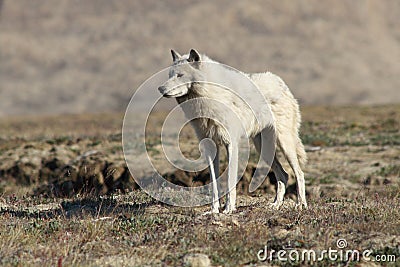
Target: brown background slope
89,56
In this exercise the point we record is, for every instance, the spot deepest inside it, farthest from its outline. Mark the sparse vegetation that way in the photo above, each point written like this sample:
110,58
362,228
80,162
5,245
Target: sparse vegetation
353,190
91,231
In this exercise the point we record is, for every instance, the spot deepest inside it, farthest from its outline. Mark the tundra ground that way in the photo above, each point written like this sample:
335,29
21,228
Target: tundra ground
66,198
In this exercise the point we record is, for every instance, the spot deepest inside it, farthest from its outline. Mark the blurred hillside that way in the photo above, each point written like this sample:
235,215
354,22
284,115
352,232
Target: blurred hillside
70,56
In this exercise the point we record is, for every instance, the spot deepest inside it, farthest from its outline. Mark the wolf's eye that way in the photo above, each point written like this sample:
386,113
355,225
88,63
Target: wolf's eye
179,75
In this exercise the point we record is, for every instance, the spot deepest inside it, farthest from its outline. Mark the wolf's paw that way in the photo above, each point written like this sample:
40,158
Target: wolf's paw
229,210
212,211
276,205
301,206
209,212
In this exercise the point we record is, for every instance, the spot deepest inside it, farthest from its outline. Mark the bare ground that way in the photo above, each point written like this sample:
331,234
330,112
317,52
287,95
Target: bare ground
352,177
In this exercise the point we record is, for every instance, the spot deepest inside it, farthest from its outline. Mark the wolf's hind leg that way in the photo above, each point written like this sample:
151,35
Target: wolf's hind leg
280,174
282,178
288,145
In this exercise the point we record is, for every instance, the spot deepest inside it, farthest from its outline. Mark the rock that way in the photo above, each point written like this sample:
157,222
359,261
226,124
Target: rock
196,260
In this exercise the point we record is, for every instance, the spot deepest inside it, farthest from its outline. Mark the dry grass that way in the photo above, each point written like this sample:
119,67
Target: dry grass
353,191
135,230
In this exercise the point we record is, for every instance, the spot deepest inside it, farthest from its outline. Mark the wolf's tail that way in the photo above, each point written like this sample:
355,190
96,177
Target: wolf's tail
301,153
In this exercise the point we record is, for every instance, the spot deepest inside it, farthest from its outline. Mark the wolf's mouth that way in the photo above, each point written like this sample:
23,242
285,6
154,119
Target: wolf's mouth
168,95
172,94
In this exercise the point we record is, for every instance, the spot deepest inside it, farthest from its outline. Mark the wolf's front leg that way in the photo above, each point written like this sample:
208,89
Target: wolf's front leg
233,157
214,174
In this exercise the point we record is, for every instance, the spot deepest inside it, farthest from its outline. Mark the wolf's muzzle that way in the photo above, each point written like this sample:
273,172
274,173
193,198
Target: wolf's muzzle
163,90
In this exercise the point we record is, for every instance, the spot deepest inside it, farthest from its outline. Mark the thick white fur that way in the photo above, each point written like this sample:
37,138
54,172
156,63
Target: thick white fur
222,129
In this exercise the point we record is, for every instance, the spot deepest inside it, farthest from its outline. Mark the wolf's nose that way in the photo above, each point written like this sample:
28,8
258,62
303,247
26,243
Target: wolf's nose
161,89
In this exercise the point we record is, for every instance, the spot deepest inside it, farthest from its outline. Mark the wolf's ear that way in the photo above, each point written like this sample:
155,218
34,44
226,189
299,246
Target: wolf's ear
194,56
175,55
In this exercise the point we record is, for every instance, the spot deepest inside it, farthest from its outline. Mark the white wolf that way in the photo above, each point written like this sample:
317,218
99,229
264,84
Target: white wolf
183,85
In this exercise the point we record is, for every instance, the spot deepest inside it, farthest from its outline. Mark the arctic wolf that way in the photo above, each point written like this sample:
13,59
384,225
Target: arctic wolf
183,85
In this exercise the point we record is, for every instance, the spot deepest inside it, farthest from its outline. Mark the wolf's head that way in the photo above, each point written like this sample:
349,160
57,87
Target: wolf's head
183,75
